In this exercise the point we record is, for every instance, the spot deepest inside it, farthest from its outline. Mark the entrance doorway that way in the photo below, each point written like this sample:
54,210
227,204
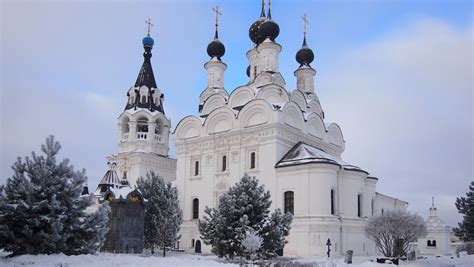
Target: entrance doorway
197,247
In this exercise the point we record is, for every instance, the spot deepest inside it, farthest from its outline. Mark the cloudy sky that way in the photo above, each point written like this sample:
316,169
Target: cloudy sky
397,76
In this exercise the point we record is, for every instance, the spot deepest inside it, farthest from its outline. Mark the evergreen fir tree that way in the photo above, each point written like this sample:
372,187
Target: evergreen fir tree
163,216
465,206
244,207
43,212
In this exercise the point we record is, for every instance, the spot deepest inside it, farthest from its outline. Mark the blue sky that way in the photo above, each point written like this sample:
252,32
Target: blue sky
395,75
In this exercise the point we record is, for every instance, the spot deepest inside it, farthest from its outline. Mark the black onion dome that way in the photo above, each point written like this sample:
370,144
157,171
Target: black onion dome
255,30
305,55
216,49
268,29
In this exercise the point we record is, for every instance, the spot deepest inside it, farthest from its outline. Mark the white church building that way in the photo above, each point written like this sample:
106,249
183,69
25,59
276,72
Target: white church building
262,128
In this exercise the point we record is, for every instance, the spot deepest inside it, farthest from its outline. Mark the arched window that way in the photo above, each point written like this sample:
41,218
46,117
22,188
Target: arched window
381,211
142,125
143,99
433,243
192,243
252,160
333,202
158,127
196,168
224,163
195,208
428,243
125,126
289,202
359,205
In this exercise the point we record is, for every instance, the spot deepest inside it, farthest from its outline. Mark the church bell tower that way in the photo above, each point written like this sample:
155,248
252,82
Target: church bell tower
142,128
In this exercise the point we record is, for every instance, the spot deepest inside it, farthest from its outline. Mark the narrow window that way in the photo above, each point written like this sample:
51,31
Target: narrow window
254,72
224,163
289,202
192,243
195,208
372,206
252,160
428,243
433,243
382,211
196,168
359,205
333,195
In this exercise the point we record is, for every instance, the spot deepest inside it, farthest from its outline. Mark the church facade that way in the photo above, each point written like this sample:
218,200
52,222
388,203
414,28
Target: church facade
261,128
280,136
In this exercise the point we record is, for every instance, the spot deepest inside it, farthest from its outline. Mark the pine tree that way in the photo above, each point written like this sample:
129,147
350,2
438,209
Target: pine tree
163,216
43,212
244,207
465,206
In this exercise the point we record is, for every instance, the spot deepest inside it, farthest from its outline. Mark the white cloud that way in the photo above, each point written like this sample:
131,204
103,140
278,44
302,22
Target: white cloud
405,106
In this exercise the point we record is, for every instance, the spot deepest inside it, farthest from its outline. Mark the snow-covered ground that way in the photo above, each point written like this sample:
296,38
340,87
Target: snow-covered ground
182,259
430,261
112,260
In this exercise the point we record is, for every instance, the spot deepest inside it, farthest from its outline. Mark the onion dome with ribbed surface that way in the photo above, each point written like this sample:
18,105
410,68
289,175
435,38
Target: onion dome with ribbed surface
305,55
216,48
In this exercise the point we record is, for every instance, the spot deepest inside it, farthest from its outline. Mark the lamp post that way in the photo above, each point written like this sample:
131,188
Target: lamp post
329,247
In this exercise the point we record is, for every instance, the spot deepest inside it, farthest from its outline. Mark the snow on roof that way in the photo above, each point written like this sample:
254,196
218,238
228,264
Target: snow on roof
302,153
122,192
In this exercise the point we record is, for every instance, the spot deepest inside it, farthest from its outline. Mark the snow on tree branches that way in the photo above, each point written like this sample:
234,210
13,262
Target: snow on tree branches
394,230
43,212
163,216
243,207
465,206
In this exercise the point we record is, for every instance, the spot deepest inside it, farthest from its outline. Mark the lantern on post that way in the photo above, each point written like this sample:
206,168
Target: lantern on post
328,243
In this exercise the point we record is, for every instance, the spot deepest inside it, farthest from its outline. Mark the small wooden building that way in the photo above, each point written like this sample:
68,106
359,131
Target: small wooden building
126,220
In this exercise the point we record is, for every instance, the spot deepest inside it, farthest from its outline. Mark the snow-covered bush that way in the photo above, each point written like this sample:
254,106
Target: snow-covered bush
244,206
252,242
394,230
163,216
43,212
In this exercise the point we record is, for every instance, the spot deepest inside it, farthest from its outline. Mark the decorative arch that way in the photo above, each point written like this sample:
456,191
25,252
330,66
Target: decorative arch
293,116
315,125
315,106
141,113
212,102
298,97
240,96
262,79
335,136
188,127
273,94
256,112
219,120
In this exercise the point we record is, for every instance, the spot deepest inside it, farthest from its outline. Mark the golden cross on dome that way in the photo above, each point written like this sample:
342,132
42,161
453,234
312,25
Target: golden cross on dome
305,23
218,13
148,22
